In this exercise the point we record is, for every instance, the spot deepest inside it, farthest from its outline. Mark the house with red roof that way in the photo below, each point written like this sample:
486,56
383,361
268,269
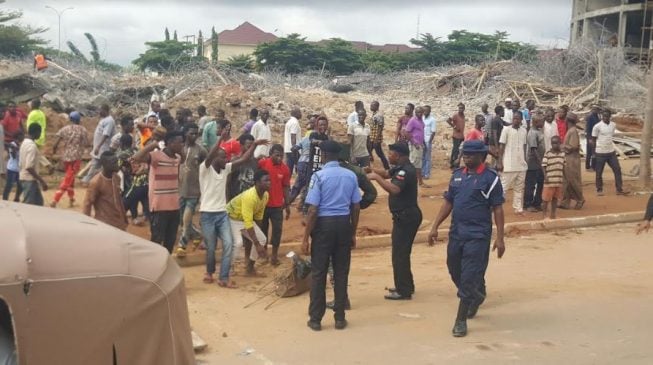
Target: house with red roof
242,40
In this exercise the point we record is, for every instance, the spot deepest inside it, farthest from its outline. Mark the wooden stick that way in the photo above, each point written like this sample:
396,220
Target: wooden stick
537,100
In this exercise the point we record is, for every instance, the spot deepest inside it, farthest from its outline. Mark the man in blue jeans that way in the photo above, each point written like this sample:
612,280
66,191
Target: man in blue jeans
429,136
213,175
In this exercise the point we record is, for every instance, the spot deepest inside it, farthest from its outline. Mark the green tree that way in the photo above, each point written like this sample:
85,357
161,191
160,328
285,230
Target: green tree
379,62
76,52
167,34
95,60
340,57
242,62
200,45
95,54
214,46
17,39
292,54
174,37
162,56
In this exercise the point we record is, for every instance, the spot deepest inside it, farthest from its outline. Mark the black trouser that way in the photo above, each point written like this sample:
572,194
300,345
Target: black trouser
590,158
134,196
454,162
533,188
163,227
378,148
331,242
612,161
274,215
404,228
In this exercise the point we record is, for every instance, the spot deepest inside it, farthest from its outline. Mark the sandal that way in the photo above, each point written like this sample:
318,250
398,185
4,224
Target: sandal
208,279
228,284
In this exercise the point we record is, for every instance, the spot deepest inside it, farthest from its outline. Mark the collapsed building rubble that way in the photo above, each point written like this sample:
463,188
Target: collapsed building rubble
579,77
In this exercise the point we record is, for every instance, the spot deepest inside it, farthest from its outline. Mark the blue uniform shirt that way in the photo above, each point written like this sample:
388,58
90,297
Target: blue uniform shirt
473,196
333,190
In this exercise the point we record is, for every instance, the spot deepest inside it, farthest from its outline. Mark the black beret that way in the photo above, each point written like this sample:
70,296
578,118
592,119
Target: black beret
474,146
400,147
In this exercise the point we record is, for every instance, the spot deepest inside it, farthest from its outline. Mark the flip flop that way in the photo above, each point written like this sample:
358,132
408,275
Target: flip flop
228,285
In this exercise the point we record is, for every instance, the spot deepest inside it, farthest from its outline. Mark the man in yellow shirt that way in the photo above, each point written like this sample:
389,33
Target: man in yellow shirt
246,209
36,115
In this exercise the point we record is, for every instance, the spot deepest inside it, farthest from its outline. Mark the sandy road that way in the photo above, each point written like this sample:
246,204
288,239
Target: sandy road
581,297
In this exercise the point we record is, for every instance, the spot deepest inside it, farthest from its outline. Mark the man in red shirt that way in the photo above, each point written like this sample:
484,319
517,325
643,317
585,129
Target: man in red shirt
477,131
12,122
561,121
279,198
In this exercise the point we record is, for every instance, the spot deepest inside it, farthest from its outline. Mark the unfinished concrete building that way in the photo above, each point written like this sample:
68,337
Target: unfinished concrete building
614,23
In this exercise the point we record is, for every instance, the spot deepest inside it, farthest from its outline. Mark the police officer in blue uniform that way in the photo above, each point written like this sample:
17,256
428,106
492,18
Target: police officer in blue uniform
333,201
474,194
401,183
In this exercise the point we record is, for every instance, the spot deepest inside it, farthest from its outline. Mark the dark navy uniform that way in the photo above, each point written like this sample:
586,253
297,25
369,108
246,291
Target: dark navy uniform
473,195
406,219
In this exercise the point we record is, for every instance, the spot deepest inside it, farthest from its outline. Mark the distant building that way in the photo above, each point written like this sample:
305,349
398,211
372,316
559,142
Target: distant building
613,23
244,39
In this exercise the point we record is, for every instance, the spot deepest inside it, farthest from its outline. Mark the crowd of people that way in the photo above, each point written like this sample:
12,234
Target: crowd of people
160,169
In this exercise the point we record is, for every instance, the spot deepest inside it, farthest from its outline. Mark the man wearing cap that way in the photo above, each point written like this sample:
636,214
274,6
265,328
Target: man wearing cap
406,216
474,193
75,139
334,206
507,111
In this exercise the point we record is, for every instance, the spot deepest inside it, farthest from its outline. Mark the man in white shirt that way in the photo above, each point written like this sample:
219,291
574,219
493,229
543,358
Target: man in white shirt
261,130
512,161
429,136
213,175
352,119
358,137
507,112
604,152
550,128
291,135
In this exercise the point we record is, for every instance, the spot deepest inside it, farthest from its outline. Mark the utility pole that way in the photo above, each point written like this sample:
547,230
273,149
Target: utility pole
647,134
59,14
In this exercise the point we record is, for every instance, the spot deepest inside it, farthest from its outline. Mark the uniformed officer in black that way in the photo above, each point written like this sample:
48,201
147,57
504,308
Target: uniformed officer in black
474,193
334,207
406,216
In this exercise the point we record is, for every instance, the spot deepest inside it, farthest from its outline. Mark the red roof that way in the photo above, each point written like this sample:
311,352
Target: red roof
245,33
386,48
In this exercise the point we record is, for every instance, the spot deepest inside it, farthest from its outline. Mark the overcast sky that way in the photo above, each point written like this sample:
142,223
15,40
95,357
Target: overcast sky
121,27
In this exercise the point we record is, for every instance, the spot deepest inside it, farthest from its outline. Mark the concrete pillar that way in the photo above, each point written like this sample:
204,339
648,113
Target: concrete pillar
622,29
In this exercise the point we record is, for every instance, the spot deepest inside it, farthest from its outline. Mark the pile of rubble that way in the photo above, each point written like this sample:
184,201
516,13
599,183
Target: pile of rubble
577,77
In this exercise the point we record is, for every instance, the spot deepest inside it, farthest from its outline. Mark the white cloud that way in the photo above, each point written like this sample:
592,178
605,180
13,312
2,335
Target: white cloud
121,27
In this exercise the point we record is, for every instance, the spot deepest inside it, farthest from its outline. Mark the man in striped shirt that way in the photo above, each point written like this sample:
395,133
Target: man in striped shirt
553,165
164,187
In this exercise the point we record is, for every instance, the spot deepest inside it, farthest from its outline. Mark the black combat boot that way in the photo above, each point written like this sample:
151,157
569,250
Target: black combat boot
460,327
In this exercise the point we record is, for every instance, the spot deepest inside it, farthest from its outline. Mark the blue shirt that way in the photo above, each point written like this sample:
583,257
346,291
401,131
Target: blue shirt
333,190
305,149
473,196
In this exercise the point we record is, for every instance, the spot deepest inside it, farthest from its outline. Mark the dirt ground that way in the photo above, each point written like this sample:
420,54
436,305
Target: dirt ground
579,297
